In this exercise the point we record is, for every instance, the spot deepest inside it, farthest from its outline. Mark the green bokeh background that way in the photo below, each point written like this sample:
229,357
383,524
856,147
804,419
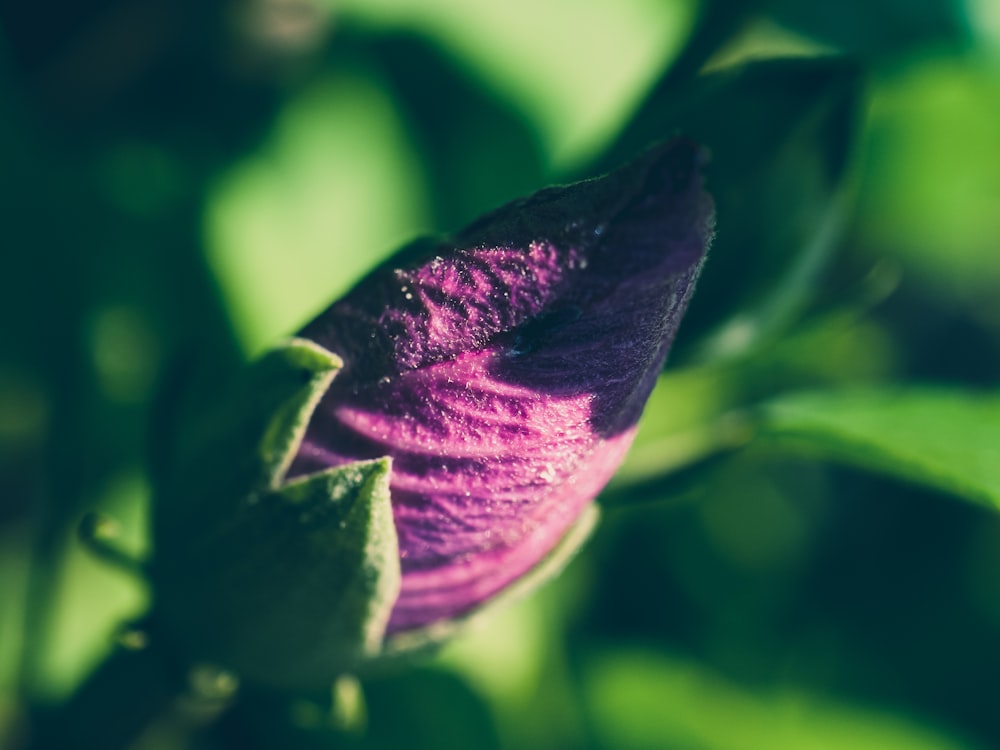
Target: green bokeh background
803,550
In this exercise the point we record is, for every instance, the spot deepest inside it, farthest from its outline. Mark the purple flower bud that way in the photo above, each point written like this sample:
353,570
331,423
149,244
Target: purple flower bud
504,370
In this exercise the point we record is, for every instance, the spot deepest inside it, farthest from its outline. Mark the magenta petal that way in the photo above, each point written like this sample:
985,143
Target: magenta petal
504,371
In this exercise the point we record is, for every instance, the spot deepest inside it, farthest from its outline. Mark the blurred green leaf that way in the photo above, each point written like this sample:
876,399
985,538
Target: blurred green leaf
294,224
574,68
943,438
716,23
463,131
931,183
781,134
429,709
877,28
697,414
651,701
14,560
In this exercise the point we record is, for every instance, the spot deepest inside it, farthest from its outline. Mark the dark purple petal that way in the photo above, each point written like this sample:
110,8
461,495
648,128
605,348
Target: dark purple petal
504,371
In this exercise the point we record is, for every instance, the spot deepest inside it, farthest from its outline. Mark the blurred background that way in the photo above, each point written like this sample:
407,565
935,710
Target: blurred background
188,181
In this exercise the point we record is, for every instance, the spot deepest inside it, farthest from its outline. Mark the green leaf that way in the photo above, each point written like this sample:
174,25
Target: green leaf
646,699
879,28
298,587
285,232
780,133
716,23
947,439
939,220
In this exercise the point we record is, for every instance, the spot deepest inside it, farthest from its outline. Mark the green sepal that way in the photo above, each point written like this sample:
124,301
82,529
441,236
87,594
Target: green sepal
254,429
426,639
297,588
287,584
281,372
348,514
241,442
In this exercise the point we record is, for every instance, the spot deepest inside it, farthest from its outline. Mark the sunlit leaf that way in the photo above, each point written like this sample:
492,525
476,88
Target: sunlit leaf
931,184
943,438
574,68
293,225
651,700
